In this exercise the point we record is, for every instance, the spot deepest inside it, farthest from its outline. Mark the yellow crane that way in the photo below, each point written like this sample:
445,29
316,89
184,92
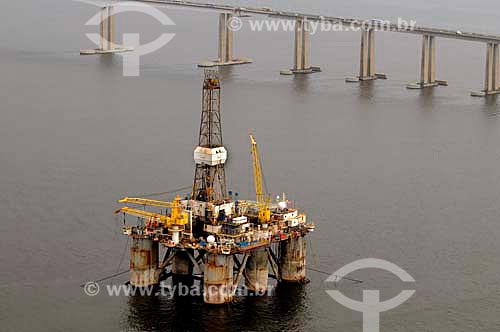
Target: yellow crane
177,215
264,213
144,201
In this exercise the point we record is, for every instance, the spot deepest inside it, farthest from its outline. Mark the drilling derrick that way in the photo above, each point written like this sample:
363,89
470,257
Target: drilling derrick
210,155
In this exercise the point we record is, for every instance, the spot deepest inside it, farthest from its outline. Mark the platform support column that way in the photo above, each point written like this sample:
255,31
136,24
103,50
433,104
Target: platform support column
367,58
256,271
302,49
144,270
218,279
181,264
428,65
293,259
182,268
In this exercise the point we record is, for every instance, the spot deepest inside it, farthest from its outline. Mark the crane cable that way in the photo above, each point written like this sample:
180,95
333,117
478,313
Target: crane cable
123,254
162,193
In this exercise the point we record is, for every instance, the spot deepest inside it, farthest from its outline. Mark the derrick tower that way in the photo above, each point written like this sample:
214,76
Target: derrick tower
210,155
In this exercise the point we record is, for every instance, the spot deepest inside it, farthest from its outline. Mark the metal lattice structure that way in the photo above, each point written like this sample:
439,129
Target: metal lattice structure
210,155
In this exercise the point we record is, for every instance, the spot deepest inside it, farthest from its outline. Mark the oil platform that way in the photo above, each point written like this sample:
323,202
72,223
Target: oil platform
213,236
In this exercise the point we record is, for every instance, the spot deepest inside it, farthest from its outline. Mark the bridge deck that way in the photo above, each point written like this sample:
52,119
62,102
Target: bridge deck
444,33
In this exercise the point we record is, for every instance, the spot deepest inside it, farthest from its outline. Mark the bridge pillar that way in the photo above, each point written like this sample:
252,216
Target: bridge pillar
225,45
225,39
428,65
367,58
111,29
491,80
103,29
302,46
106,34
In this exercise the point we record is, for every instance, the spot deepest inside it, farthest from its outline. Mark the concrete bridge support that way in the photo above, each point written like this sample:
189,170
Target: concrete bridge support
491,80
106,34
103,29
225,45
144,270
111,29
367,58
218,279
256,271
428,65
225,39
107,29
302,47
293,259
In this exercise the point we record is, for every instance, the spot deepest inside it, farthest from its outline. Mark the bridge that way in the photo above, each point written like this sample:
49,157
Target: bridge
302,46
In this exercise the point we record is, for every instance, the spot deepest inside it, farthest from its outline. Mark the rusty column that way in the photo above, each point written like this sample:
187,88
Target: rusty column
293,259
144,269
218,279
182,267
256,271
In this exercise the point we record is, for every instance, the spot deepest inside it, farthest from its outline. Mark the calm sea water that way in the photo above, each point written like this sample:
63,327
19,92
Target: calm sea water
410,177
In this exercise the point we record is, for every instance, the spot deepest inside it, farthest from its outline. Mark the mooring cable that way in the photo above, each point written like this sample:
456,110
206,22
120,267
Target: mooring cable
315,261
108,277
357,281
